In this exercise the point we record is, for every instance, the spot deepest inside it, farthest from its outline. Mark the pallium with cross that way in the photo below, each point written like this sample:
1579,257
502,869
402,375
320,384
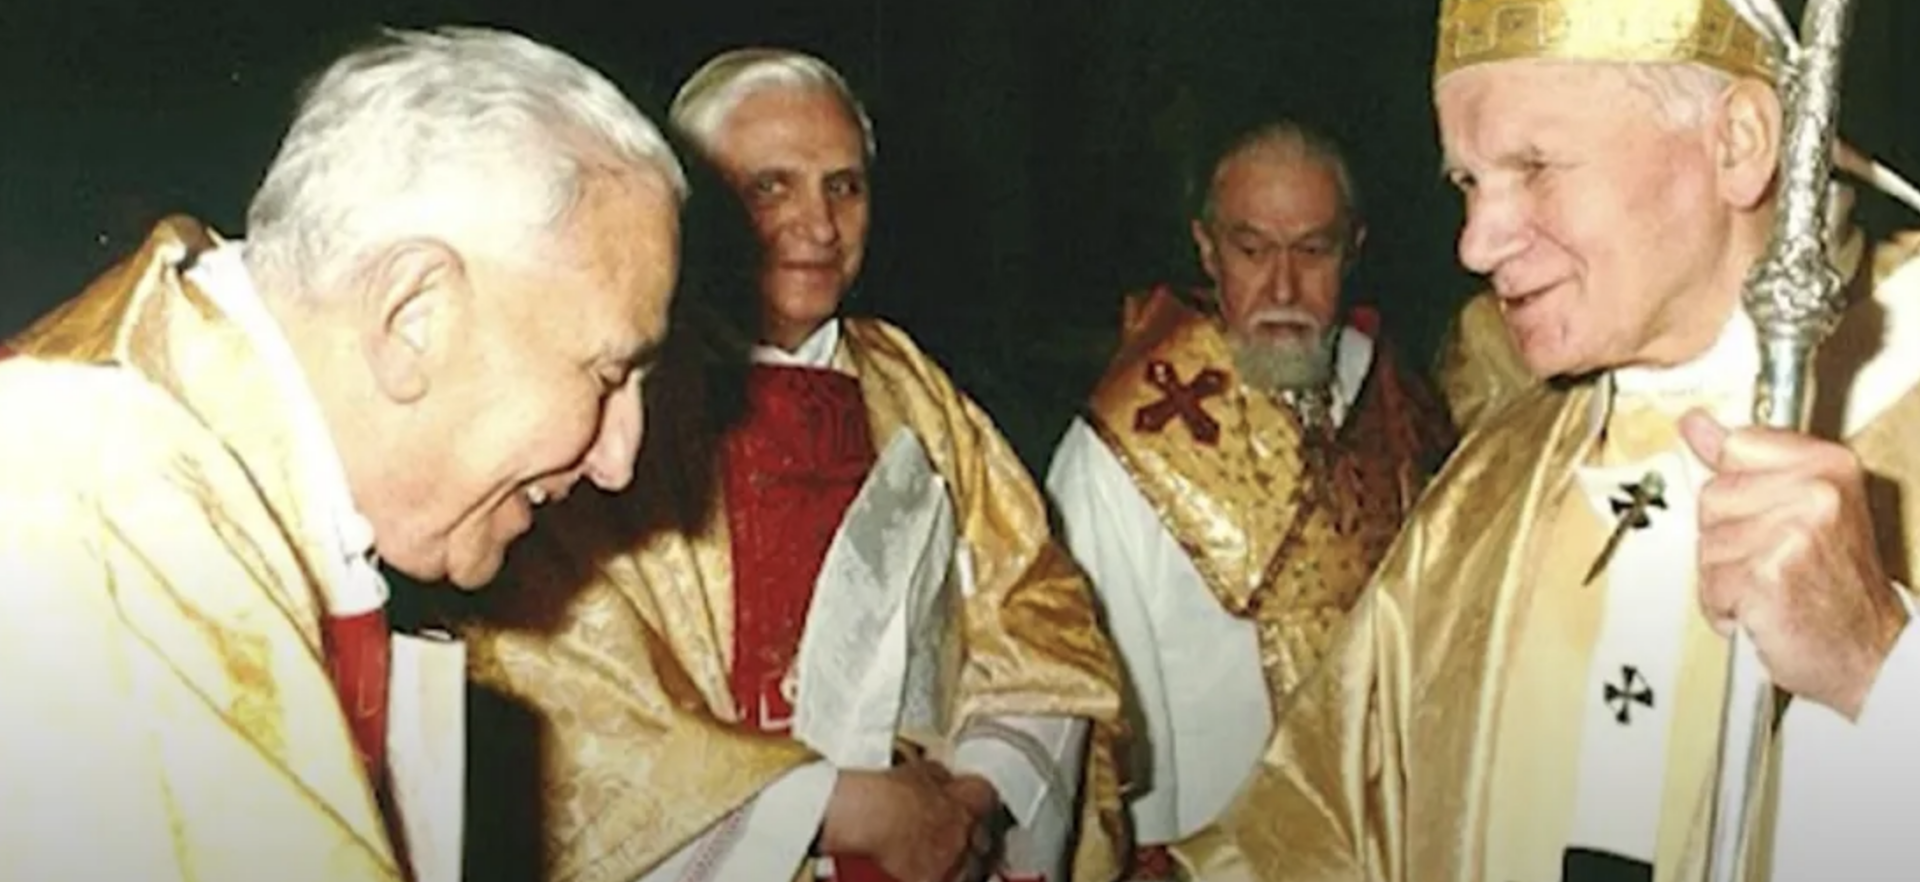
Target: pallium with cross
1632,513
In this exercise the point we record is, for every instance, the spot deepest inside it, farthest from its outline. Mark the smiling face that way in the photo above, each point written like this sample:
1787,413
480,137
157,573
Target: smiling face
797,157
1604,228
538,386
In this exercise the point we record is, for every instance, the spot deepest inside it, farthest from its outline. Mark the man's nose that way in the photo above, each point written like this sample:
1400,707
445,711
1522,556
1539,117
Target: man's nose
1282,289
609,462
1494,232
816,220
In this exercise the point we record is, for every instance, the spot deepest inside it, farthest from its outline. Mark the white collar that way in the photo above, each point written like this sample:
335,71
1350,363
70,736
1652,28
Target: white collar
1721,378
1727,367
1352,361
222,276
817,351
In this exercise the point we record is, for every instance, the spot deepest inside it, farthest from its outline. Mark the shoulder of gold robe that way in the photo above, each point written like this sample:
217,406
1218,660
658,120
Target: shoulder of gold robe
1328,799
1477,368
1034,645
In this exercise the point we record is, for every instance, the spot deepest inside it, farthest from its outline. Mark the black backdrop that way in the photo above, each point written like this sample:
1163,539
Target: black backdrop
1034,156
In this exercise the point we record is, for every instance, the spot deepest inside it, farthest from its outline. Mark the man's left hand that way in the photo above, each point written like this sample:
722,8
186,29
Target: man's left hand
1787,554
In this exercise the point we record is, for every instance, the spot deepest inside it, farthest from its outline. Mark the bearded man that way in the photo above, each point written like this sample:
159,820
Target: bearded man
1240,469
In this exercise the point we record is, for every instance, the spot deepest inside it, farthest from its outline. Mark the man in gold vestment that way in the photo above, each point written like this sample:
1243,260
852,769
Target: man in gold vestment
840,643
1240,470
465,243
1531,688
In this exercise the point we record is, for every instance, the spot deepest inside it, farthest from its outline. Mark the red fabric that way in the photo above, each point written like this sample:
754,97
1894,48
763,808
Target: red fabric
1187,401
792,467
358,654
1365,319
1152,862
359,657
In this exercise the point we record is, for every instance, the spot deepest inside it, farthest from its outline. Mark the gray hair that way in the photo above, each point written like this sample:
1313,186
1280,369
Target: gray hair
719,86
434,133
1291,141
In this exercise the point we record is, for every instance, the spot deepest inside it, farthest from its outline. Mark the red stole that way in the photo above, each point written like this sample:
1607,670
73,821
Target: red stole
792,466
359,659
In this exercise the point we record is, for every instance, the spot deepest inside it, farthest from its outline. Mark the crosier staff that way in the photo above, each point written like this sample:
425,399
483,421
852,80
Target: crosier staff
1794,296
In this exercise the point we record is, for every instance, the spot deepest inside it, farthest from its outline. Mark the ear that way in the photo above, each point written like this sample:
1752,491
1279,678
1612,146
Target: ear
410,289
1746,133
1354,247
1203,243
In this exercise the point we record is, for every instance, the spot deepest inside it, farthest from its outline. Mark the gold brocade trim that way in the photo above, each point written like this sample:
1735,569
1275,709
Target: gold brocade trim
1284,529
1218,499
1706,32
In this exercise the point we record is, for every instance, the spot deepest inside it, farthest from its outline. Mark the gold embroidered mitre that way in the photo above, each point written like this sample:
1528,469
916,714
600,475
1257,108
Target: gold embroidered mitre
1707,32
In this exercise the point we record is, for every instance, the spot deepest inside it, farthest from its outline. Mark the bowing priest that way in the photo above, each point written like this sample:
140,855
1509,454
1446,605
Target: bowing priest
459,260
838,642
1531,688
1239,471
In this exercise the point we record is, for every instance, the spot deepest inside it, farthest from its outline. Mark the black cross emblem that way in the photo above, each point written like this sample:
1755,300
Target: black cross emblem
1635,512
1633,689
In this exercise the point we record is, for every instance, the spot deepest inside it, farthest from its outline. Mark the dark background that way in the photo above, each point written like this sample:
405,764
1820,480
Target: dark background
1035,157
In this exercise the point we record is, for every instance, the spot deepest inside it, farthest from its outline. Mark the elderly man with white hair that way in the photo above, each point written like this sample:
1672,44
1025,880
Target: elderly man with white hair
456,271
1531,687
1239,471
837,638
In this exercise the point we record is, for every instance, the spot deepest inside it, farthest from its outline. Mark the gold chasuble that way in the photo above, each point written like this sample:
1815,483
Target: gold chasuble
1521,699
1477,368
165,568
1283,522
621,629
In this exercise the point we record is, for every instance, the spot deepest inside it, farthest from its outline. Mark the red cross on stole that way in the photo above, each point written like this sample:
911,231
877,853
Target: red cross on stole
1183,400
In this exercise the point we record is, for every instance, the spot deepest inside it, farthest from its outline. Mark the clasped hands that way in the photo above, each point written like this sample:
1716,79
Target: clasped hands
1787,553
917,821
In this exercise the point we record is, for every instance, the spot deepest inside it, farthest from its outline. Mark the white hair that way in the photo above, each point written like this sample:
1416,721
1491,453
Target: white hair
431,133
1290,141
1684,92
719,86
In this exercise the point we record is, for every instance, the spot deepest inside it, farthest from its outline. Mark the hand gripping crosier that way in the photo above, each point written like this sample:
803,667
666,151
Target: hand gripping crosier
1794,296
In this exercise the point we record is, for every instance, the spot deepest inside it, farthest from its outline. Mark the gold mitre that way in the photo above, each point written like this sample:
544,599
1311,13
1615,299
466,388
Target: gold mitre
1709,32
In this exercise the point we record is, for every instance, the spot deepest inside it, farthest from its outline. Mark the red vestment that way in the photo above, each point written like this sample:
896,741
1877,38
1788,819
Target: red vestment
792,467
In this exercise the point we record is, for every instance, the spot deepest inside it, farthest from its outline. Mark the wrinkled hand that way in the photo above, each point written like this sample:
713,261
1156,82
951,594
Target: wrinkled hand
907,820
1787,553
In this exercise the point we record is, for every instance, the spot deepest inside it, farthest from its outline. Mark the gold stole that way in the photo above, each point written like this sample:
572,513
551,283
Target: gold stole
1538,744
1284,530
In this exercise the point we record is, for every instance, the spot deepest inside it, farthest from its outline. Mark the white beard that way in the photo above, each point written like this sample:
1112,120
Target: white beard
1276,365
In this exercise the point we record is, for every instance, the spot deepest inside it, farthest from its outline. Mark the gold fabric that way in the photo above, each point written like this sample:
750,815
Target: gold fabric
1530,810
1285,524
1384,767
194,733
616,631
1707,32
1478,369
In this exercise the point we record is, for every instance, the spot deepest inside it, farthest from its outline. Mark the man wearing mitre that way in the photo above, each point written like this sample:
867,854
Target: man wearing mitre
1531,689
